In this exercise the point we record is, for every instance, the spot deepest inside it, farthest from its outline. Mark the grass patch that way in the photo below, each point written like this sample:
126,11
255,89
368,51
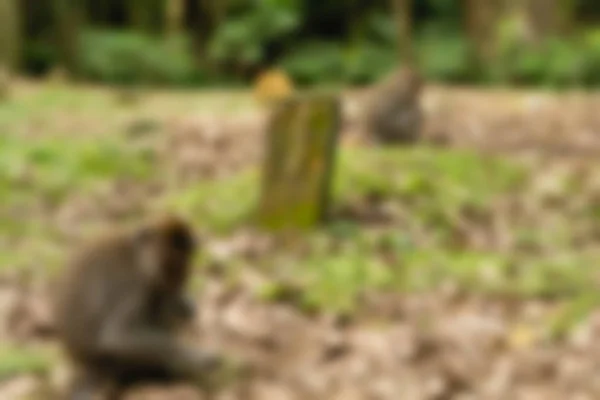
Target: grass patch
19,360
573,312
335,279
40,174
452,176
433,182
48,100
437,189
222,205
51,168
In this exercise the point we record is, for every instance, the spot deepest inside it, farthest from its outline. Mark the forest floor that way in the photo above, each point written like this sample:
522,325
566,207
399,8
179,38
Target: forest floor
467,270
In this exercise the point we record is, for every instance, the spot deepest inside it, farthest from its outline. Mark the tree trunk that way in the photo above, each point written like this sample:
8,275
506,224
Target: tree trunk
10,35
67,21
217,11
97,12
174,16
148,16
403,15
208,17
481,21
547,18
139,15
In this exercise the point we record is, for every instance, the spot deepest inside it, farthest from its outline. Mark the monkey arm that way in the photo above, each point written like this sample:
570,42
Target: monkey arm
180,308
127,338
186,308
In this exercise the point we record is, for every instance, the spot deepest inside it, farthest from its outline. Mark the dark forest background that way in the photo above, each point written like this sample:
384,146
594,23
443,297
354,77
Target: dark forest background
201,42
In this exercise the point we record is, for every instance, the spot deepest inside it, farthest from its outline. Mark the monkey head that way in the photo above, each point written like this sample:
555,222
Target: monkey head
406,80
165,249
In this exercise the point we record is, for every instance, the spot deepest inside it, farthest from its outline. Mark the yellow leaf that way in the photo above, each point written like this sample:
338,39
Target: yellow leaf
522,337
273,85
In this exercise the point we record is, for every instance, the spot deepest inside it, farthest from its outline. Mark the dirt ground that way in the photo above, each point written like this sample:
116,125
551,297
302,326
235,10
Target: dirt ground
446,343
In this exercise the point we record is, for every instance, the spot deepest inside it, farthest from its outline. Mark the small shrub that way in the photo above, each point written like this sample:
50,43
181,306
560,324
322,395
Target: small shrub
591,47
444,56
316,62
366,62
128,57
242,39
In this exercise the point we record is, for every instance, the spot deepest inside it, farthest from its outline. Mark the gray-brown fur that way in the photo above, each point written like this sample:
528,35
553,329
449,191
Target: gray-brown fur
394,114
119,308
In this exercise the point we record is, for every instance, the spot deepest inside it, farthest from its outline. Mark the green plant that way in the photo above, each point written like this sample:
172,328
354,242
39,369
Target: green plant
444,55
567,63
15,361
315,62
366,62
591,47
130,57
241,40
220,205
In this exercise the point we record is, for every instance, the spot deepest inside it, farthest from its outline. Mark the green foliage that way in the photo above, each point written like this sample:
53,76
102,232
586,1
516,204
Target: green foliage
567,64
360,62
427,178
438,190
241,40
366,62
443,7
591,50
18,361
444,55
132,57
220,205
51,168
41,173
437,185
327,41
435,191
556,63
381,28
573,313
336,281
314,62
39,56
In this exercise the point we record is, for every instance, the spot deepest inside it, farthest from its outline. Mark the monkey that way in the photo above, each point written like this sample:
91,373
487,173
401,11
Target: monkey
394,114
177,312
119,306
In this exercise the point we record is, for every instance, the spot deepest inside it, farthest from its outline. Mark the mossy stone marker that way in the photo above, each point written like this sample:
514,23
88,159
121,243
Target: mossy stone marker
301,147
